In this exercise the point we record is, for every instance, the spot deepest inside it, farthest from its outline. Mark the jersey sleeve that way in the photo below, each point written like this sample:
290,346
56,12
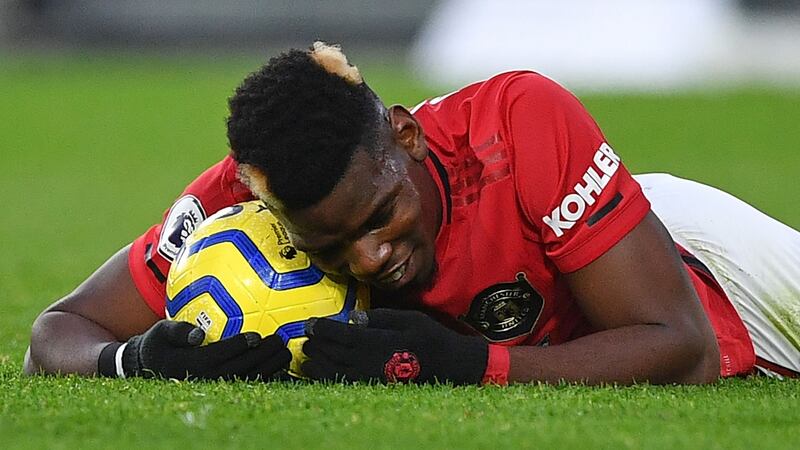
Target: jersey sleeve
152,253
578,197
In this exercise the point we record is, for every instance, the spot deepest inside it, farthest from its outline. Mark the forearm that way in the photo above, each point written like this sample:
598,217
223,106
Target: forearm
69,336
63,342
638,353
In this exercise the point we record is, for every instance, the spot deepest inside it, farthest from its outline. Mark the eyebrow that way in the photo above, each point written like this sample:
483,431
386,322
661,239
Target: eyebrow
385,204
387,200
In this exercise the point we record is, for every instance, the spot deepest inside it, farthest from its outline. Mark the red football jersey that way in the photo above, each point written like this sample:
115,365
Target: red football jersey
530,190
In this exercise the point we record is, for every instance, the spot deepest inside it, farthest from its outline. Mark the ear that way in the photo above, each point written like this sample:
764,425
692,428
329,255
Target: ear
407,132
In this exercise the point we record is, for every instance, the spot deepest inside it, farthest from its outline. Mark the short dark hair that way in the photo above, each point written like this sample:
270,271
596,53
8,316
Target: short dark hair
298,120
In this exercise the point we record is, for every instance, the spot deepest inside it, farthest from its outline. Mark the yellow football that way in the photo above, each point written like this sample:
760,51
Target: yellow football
239,272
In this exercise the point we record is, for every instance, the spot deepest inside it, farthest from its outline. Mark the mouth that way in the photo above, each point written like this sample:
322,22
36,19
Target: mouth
395,276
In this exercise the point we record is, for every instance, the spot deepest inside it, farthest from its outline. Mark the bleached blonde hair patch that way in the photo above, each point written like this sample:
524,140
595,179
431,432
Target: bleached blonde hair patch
331,58
255,179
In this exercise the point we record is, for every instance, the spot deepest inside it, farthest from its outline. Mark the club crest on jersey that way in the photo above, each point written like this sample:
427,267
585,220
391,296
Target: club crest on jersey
182,219
505,311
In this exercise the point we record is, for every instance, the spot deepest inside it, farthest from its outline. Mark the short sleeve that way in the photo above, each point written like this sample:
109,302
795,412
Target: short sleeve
578,197
152,253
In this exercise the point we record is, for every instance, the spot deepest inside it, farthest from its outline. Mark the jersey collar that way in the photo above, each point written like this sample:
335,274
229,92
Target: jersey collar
439,175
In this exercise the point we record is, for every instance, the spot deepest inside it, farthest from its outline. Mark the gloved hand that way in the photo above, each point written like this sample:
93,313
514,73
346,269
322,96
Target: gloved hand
392,346
171,349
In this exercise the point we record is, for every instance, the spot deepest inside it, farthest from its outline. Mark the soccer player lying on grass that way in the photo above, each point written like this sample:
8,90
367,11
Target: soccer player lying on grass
498,224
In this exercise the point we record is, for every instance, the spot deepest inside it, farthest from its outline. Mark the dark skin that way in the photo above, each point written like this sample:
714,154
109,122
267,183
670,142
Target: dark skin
654,328
69,335
638,293
396,222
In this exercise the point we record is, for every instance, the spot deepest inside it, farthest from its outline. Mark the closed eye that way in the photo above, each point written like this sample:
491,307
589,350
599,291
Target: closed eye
382,217
323,254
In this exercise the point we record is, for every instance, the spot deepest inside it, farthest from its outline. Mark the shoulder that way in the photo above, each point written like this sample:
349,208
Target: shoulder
503,90
218,186
215,188
489,92
477,113
492,103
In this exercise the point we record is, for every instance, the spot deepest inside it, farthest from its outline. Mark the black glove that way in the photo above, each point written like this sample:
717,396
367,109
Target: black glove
392,346
171,349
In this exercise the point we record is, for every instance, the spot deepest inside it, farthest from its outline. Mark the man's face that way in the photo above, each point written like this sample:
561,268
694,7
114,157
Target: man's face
380,222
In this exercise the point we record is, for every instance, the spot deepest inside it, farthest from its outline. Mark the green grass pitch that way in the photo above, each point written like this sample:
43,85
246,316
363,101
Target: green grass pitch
93,150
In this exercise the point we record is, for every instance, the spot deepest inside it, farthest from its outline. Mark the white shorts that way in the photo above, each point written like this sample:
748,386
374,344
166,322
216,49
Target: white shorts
755,259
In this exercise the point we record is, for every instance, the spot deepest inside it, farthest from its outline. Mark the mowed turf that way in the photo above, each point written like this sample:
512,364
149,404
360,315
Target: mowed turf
93,149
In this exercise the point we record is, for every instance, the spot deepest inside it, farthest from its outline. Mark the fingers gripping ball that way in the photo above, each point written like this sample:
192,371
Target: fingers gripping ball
239,272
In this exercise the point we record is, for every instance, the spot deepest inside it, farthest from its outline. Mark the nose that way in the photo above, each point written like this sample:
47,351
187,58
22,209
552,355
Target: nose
368,256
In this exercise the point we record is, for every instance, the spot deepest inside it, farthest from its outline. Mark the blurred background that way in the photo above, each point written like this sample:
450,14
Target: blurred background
108,108
613,44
